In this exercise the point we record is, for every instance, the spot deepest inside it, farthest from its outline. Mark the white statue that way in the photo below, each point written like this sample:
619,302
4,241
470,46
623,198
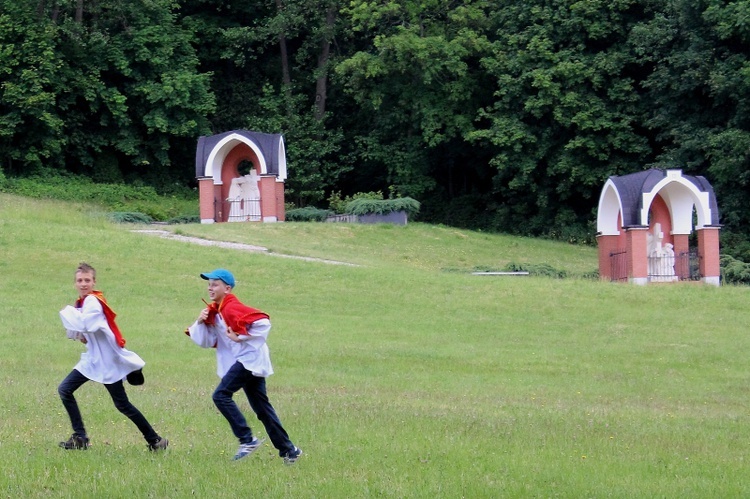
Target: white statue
660,258
244,198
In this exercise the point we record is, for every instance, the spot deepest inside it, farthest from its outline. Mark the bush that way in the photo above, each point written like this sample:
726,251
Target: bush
364,206
54,184
129,217
540,269
185,219
308,214
734,271
338,205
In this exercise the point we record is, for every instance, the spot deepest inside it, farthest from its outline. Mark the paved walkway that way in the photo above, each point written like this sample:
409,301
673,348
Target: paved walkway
165,234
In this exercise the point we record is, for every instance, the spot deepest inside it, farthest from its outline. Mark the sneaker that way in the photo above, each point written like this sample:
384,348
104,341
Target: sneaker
160,445
75,442
291,457
135,378
247,449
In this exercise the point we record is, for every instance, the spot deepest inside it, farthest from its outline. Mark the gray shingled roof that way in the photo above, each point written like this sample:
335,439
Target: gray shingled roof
266,142
632,187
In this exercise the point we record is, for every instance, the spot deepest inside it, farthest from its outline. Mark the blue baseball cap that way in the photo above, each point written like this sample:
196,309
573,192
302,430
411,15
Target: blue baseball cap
221,274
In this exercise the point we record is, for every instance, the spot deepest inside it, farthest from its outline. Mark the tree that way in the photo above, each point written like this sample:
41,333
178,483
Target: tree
417,79
566,112
698,93
135,87
31,127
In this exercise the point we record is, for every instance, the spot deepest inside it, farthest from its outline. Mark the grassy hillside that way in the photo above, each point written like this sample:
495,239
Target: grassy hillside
404,376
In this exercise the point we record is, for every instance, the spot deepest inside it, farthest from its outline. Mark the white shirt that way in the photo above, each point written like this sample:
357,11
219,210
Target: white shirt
251,351
104,361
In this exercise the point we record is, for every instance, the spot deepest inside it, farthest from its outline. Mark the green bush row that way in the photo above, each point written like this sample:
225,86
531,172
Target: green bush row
54,184
734,271
363,206
307,214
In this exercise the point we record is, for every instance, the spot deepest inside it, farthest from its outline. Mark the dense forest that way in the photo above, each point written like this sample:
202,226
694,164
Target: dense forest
504,116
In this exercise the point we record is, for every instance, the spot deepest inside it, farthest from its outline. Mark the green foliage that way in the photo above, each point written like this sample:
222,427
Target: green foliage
338,204
536,269
184,219
735,244
734,271
51,184
505,117
129,217
31,81
312,148
365,206
308,214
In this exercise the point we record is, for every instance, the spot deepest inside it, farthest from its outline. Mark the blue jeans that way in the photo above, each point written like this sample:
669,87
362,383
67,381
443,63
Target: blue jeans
75,380
255,388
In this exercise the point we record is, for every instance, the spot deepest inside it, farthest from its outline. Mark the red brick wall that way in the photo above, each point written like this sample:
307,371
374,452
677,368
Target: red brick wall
206,198
268,197
637,253
708,248
607,244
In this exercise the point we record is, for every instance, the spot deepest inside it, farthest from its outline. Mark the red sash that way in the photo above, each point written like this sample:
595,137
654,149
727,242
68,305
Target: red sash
236,314
108,313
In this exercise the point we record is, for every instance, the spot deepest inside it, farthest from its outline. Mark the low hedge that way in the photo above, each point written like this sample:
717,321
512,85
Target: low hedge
382,206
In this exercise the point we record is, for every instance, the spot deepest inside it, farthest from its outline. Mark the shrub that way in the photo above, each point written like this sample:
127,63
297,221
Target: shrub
338,205
54,184
307,214
364,206
539,269
129,217
185,219
734,271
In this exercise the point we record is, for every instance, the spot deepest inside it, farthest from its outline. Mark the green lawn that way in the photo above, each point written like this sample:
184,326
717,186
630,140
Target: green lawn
405,376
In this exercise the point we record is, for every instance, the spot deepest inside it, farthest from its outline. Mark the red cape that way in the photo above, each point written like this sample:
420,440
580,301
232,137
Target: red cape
108,313
236,314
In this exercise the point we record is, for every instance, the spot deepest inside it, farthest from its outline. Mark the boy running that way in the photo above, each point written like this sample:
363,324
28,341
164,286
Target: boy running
105,361
239,333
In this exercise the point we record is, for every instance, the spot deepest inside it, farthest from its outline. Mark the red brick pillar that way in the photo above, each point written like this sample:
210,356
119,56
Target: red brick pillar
708,250
206,200
607,244
268,208
637,244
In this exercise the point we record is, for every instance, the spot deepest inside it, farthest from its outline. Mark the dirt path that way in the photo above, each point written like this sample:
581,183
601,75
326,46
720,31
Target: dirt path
236,246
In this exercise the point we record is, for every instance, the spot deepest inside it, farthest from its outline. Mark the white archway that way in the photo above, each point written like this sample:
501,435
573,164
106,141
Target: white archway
681,196
218,154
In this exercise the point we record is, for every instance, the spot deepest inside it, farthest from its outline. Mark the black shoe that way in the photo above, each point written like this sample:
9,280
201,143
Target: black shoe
75,442
136,377
161,445
292,456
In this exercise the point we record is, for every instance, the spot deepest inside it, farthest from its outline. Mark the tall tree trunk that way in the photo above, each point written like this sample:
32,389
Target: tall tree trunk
285,75
321,86
79,11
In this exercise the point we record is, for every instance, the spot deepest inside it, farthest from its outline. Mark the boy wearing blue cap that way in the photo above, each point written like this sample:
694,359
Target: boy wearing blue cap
239,334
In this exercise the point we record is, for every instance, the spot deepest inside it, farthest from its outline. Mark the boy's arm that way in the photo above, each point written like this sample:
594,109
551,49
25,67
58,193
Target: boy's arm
92,315
257,333
202,334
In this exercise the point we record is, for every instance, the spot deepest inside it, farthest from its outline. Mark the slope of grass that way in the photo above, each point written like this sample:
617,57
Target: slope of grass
398,379
415,246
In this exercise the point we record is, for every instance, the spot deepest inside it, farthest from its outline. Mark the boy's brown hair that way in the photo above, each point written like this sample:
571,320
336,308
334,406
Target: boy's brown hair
85,267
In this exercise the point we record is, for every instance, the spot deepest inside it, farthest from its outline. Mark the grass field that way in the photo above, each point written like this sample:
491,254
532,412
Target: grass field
403,376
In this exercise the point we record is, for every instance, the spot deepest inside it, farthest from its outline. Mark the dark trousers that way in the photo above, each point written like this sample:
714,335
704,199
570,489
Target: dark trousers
75,380
255,388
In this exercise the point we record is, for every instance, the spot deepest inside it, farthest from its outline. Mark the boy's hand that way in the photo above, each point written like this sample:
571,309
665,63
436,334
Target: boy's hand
233,336
203,316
